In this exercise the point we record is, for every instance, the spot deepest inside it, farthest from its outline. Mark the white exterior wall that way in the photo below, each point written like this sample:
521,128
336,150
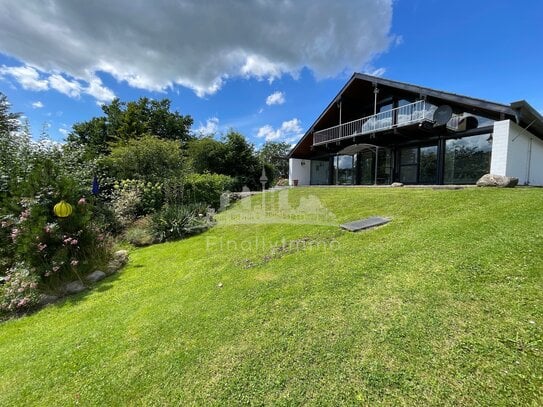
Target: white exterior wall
298,171
517,153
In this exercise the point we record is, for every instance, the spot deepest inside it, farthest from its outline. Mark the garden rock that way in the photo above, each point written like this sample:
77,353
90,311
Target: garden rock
74,287
396,185
491,180
95,276
120,258
46,299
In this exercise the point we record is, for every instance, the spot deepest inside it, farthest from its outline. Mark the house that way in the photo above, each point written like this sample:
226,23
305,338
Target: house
379,131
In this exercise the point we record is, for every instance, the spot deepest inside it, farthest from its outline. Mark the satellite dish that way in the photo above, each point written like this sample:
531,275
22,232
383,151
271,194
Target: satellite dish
442,115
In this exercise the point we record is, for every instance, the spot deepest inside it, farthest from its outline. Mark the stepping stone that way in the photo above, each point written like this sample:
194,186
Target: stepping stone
363,224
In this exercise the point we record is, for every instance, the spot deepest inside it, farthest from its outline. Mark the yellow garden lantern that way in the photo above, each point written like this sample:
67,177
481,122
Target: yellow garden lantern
63,209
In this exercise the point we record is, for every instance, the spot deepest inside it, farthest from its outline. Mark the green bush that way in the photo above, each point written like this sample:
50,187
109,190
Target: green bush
147,158
206,188
140,233
178,221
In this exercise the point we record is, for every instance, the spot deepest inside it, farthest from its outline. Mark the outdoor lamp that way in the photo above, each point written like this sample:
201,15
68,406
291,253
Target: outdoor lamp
63,209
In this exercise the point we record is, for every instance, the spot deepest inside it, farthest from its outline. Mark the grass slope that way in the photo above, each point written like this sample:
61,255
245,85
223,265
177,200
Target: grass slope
443,306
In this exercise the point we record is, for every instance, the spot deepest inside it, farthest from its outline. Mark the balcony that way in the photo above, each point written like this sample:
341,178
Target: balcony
406,115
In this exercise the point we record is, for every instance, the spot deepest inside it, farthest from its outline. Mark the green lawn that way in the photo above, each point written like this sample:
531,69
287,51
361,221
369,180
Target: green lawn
443,306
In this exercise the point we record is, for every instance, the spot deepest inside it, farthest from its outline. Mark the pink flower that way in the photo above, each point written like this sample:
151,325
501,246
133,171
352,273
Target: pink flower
82,201
67,240
22,302
4,224
74,242
74,263
24,215
14,233
41,246
56,268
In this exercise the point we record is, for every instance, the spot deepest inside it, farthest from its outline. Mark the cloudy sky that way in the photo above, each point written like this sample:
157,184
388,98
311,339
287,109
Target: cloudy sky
265,67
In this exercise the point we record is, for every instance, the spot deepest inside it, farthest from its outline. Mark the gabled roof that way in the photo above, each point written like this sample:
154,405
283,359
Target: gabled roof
520,111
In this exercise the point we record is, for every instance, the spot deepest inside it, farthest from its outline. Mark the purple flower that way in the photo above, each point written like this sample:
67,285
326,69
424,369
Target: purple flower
74,242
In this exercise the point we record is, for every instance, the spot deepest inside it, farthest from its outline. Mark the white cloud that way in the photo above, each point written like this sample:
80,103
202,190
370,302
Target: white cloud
199,45
37,105
289,131
31,78
69,88
64,131
98,91
27,76
209,128
276,98
376,71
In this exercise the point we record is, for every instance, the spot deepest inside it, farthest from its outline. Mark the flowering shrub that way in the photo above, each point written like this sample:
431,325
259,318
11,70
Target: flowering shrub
133,198
36,246
19,290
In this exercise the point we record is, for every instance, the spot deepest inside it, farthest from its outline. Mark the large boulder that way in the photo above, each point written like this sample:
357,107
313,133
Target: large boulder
491,180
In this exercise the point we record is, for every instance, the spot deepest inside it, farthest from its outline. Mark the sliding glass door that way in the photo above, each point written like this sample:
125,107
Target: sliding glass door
418,165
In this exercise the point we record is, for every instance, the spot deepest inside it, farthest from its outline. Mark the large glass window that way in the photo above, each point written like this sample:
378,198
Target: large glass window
428,165
467,159
344,169
320,172
408,165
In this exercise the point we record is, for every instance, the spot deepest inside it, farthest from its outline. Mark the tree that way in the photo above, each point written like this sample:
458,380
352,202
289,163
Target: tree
206,155
147,158
125,121
275,154
233,156
9,121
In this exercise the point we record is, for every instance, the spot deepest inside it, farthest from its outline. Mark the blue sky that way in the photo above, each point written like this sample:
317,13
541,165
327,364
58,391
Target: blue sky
267,74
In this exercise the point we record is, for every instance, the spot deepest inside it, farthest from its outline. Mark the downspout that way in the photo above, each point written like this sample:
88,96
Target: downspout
529,162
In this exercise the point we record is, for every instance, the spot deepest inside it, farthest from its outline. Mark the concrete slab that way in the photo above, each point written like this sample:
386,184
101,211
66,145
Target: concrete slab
363,224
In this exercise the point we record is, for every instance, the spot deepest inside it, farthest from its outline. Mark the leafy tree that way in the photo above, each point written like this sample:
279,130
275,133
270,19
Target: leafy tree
124,121
233,156
206,155
147,158
275,153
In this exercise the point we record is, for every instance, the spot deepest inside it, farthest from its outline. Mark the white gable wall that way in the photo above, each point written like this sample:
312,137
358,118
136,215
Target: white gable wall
517,153
300,170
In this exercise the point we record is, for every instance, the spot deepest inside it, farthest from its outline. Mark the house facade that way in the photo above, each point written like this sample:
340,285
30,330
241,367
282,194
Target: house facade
377,131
